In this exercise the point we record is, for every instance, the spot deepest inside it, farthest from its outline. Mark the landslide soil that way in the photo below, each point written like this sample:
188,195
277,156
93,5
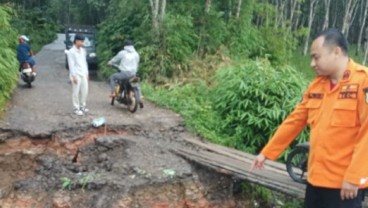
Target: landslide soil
52,158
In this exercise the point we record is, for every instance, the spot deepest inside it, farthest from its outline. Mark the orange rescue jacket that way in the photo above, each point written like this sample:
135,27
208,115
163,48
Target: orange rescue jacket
338,121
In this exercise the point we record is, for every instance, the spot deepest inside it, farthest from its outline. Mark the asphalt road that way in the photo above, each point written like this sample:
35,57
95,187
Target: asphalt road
47,107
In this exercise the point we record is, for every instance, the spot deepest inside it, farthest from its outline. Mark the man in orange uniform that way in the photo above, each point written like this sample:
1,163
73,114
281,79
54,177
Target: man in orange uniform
335,106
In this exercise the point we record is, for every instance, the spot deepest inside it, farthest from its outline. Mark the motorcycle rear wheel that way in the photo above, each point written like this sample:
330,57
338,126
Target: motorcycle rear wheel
133,100
27,80
296,164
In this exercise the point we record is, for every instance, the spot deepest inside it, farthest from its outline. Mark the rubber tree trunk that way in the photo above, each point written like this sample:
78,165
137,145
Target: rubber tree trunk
208,6
327,14
365,53
348,16
238,9
154,10
312,8
362,26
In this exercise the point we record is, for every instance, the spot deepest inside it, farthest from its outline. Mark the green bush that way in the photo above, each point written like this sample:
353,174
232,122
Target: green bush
242,109
244,40
8,63
252,99
170,57
279,44
36,24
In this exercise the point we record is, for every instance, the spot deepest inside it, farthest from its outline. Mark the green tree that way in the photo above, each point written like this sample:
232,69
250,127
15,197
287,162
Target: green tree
8,64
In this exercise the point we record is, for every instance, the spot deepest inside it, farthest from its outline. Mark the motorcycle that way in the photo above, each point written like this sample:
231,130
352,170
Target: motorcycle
26,74
126,92
297,162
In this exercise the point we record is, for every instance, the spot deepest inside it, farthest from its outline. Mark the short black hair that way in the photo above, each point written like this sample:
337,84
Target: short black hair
128,43
78,37
334,37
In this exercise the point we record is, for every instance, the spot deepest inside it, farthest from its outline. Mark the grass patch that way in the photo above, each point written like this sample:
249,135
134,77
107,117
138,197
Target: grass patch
191,101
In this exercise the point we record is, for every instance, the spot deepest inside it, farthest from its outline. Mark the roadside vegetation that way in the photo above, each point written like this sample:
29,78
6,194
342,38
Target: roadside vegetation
16,19
8,64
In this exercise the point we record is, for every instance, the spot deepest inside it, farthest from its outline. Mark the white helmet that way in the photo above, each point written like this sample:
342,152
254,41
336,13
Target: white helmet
25,38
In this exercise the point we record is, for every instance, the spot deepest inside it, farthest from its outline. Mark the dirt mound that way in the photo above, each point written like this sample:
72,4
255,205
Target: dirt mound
116,168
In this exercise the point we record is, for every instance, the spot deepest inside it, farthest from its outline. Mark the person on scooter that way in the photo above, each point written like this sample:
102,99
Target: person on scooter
25,53
127,60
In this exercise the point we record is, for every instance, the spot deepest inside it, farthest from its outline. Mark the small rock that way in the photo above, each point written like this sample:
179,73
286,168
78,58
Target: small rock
61,202
46,161
73,167
126,202
109,142
108,166
5,191
102,157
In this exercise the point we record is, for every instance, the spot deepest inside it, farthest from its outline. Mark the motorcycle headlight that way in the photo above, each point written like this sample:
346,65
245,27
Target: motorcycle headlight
92,55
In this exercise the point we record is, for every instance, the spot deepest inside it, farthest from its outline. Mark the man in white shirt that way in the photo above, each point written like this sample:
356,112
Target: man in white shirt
78,73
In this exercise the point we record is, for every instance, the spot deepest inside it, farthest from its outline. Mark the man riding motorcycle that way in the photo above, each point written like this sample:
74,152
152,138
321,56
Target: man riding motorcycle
25,53
127,60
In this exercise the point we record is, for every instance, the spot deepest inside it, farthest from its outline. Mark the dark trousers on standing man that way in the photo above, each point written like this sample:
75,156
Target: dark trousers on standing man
318,197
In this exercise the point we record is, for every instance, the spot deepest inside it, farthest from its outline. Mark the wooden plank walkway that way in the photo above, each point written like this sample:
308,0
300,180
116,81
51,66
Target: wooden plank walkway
236,163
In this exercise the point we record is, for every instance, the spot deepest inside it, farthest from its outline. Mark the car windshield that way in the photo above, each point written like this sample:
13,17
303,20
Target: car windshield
88,39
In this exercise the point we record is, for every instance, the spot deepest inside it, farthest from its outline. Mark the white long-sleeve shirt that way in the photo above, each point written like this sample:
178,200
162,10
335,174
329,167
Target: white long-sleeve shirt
127,60
77,61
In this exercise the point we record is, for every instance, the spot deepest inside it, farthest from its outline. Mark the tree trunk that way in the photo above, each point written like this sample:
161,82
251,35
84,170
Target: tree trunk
293,7
296,22
276,13
230,9
238,9
336,15
348,16
365,53
163,9
312,8
200,49
327,14
280,21
362,26
155,22
208,6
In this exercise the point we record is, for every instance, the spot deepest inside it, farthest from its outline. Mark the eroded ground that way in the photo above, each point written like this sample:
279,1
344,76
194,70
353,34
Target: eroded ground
52,158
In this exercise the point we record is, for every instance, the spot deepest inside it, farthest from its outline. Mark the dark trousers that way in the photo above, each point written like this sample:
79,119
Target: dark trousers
318,197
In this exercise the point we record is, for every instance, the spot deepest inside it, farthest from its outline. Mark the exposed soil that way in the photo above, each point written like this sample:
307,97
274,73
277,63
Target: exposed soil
52,158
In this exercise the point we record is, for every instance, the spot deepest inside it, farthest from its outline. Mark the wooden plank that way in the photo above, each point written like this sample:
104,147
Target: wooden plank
242,166
277,167
268,178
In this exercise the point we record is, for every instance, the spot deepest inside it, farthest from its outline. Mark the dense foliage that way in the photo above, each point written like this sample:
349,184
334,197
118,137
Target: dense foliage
186,32
252,98
8,63
36,25
242,107
18,18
